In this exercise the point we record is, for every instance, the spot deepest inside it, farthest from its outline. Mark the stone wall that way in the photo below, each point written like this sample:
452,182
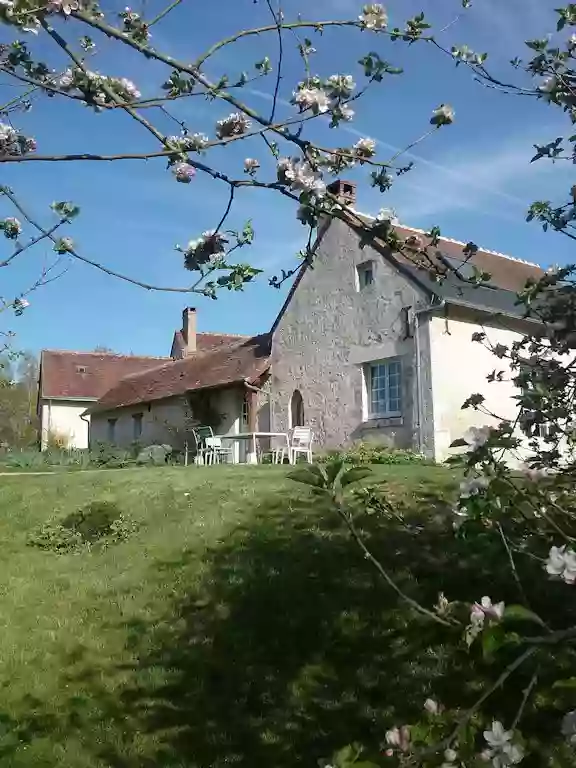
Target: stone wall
328,333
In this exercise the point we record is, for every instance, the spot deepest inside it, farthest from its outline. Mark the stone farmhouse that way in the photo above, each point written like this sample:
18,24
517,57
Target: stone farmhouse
366,347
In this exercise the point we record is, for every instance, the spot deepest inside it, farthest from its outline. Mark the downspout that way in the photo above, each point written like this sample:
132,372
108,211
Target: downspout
419,398
88,424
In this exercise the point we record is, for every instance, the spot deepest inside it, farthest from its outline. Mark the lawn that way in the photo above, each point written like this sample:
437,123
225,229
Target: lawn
237,626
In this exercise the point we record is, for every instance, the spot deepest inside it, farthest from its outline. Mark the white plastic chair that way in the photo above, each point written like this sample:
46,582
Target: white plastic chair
301,443
214,451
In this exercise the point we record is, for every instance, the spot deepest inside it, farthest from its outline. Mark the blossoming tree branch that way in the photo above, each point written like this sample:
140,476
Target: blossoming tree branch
524,521
299,169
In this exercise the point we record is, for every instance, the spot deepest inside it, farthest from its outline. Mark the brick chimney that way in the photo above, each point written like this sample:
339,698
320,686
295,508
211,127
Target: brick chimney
345,191
189,330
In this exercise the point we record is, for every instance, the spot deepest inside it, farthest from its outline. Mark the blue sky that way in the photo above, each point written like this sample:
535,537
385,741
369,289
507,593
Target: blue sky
473,179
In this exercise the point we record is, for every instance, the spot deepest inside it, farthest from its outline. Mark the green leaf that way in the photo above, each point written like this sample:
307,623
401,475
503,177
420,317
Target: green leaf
520,613
313,476
570,682
493,638
354,475
459,443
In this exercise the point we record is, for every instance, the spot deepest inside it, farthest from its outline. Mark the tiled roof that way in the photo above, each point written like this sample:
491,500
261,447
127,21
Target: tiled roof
87,375
507,273
246,359
206,341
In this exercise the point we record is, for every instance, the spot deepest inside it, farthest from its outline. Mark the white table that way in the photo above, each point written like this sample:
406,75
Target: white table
252,458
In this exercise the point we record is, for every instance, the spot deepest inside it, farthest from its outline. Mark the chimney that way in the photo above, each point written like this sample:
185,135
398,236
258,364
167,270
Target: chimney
189,330
345,191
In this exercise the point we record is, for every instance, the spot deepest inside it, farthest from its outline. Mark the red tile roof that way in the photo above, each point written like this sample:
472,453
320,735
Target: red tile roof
87,375
506,272
225,365
206,341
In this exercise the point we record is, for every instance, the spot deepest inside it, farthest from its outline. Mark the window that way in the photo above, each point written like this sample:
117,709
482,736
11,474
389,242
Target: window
384,386
296,409
137,426
81,369
112,430
364,275
245,411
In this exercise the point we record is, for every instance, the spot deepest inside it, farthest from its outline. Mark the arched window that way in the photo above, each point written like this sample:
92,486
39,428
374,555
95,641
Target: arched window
296,410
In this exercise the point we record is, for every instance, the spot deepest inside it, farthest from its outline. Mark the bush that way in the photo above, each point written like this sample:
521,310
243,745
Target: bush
110,456
101,522
374,453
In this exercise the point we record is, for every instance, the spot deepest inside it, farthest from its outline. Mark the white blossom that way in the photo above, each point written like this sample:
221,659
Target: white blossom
14,143
501,749
399,737
537,473
12,227
65,80
443,115
340,86
572,41
235,124
315,99
548,85
562,562
63,6
387,216
431,706
251,165
481,611
476,437
184,172
127,87
194,142
23,303
207,249
473,486
345,112
373,16
365,148
300,176
488,609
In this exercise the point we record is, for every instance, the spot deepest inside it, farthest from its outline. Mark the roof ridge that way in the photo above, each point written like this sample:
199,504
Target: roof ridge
106,354
456,242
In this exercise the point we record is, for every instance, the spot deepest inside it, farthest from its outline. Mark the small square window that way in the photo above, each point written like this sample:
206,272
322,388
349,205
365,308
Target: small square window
384,388
365,275
81,369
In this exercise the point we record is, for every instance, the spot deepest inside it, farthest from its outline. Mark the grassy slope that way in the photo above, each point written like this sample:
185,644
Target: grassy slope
199,641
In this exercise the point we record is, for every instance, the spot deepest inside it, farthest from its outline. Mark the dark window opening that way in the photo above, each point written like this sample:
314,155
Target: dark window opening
297,409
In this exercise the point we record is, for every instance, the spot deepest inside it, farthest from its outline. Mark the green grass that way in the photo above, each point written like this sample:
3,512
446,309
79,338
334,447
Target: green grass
238,626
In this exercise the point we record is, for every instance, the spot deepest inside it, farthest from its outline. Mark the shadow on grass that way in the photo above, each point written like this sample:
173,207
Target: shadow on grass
292,647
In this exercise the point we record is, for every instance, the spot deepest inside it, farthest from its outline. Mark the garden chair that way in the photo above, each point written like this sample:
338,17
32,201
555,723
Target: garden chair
214,451
301,443
209,449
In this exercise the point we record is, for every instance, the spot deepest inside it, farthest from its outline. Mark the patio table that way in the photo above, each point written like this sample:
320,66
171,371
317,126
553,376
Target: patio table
252,457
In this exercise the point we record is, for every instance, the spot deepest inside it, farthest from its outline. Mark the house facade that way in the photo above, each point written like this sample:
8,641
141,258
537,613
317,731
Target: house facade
366,347
372,349
70,382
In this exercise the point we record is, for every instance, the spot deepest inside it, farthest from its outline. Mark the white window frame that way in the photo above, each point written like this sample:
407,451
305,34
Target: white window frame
361,268
367,375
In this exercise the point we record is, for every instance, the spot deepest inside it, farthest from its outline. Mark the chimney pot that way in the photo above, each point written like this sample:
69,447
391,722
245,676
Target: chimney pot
345,191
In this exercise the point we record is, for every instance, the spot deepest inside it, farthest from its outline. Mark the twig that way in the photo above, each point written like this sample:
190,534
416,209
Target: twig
381,570
527,691
521,590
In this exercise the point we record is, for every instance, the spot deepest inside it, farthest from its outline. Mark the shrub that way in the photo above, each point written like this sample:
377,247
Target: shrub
100,522
374,453
110,456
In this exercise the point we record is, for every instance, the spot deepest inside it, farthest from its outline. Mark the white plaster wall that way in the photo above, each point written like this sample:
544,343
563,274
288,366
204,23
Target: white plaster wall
459,369
164,421
62,419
